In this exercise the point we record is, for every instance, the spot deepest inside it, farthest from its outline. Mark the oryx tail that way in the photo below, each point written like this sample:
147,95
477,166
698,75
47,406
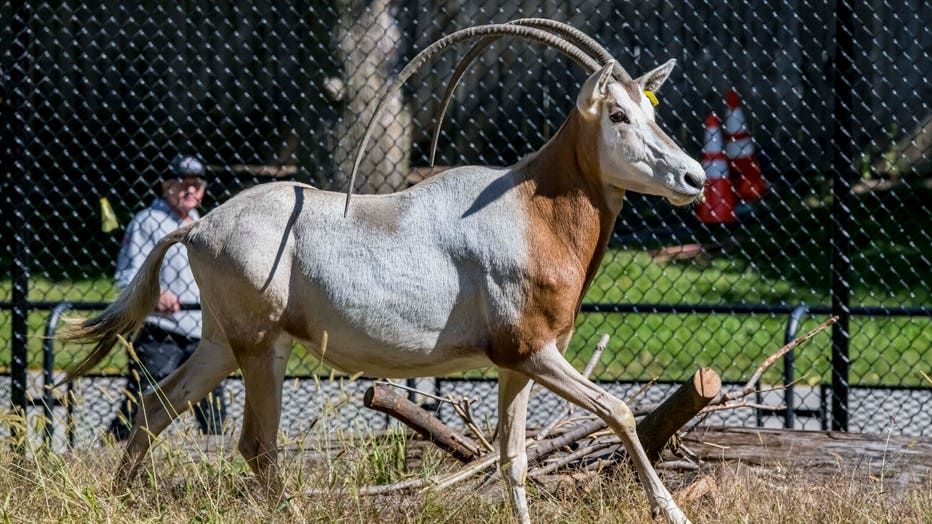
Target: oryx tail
125,315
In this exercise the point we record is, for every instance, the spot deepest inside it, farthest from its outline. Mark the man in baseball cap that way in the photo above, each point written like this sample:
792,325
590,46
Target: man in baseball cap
173,330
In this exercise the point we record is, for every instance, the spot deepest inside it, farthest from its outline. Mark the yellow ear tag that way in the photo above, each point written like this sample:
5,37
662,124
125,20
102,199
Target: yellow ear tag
652,97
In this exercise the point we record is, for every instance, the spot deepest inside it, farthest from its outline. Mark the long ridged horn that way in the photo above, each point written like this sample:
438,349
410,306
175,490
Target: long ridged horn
571,34
581,40
526,33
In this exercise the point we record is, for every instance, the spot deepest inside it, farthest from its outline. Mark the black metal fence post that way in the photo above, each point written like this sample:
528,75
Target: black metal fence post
19,78
843,170
789,362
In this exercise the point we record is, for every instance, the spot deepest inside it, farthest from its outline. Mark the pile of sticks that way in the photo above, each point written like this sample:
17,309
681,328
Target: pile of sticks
574,442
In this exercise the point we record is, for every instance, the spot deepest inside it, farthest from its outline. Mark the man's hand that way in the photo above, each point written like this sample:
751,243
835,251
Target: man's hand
168,303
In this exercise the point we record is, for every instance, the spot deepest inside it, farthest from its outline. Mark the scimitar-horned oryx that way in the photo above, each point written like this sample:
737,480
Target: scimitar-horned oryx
473,267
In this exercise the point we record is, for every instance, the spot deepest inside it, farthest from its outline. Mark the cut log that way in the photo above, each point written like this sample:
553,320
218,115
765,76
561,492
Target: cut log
382,398
896,460
656,429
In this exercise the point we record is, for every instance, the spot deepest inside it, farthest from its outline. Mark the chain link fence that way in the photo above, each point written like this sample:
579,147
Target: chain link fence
98,98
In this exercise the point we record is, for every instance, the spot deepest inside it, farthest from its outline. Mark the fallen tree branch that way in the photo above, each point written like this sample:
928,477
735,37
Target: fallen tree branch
708,397
563,461
380,398
678,465
535,452
725,400
700,395
461,406
656,429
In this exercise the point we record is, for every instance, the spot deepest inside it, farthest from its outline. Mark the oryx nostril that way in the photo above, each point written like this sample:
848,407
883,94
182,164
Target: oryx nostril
694,181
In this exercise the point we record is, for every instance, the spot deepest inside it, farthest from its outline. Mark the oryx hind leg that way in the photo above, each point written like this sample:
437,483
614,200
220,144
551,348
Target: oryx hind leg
210,363
550,369
263,366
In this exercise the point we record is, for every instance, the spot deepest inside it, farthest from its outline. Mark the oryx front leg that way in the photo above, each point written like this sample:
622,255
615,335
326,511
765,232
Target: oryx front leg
550,369
513,392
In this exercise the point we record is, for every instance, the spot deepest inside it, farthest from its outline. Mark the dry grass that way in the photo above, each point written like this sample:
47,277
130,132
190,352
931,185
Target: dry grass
186,481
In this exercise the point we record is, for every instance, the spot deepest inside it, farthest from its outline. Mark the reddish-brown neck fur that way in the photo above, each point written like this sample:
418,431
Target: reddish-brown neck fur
569,198
570,221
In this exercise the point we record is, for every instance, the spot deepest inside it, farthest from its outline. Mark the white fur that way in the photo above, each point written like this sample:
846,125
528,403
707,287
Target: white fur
640,157
647,107
392,308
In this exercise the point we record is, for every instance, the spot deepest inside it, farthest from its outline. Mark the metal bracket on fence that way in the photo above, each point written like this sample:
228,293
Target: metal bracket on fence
49,400
790,413
789,361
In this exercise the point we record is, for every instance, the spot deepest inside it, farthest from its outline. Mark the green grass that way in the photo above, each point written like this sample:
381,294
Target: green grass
884,350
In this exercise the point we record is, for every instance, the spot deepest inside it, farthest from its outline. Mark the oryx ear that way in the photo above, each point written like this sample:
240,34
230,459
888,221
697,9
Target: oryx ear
653,80
593,90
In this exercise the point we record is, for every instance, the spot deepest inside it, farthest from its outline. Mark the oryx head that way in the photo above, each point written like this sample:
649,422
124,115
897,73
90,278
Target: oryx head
633,152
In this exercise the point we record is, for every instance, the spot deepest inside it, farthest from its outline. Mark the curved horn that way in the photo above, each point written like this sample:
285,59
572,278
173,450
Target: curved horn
458,73
526,33
568,32
580,39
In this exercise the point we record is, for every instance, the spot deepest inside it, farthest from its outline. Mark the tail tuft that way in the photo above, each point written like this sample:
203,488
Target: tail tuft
125,315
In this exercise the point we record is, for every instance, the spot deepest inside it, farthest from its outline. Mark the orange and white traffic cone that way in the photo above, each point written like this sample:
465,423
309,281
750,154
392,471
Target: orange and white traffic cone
718,207
742,161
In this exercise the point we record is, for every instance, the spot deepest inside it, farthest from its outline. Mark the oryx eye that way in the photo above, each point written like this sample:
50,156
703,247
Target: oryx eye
618,117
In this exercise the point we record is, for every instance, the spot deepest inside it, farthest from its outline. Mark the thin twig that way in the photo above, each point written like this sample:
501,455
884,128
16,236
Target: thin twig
736,405
596,355
578,454
368,490
464,473
462,409
448,398
565,424
929,380
565,412
640,391
783,351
